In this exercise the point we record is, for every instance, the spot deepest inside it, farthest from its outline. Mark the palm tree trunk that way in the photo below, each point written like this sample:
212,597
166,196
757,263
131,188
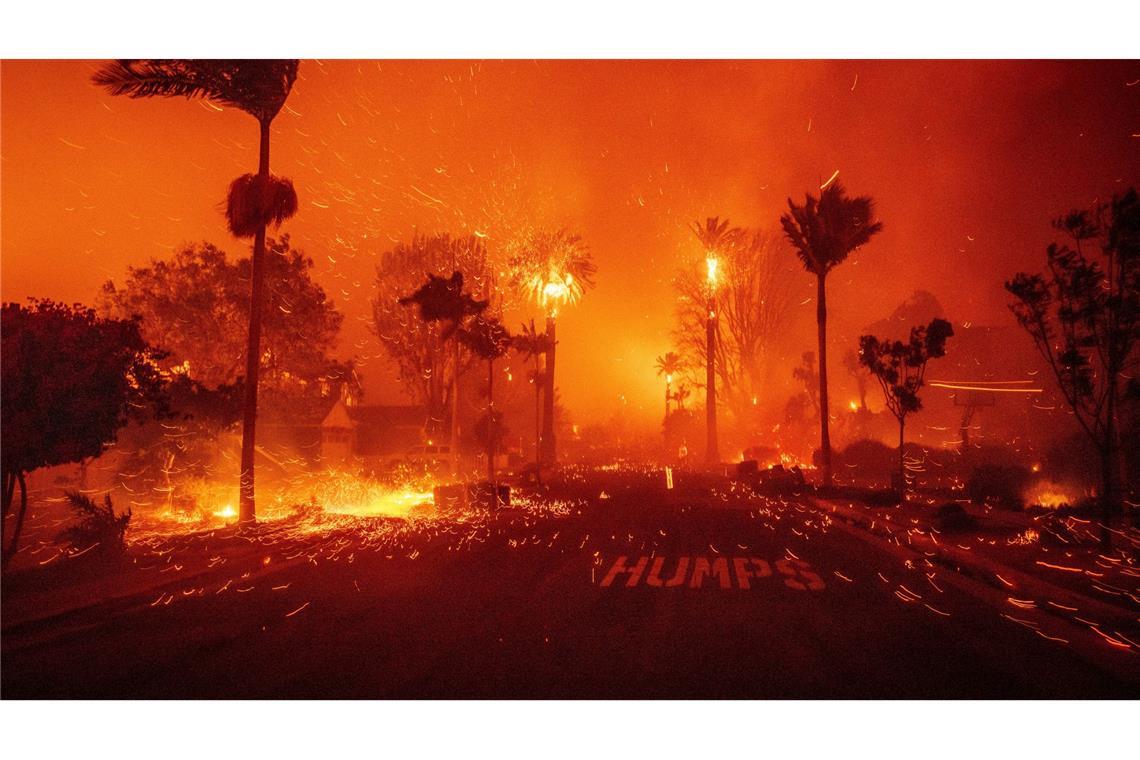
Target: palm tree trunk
902,463
491,427
824,435
454,440
247,512
712,449
548,448
538,385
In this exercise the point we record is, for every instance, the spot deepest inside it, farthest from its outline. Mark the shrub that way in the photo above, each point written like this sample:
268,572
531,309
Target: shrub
98,525
998,485
952,516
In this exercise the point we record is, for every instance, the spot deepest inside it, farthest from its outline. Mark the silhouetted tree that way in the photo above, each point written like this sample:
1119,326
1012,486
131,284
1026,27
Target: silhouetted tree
70,381
809,378
754,296
1084,317
260,88
534,344
442,301
854,368
551,269
195,306
486,338
669,365
824,232
415,346
900,369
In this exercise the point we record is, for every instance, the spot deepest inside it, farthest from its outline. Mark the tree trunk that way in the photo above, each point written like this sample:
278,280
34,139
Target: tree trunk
902,463
247,512
712,452
454,441
9,490
549,452
538,385
10,550
824,435
491,428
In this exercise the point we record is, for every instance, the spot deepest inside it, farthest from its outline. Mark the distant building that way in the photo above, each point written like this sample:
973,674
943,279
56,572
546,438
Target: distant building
356,431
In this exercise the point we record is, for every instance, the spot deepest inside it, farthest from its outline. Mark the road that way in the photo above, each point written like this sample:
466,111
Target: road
737,598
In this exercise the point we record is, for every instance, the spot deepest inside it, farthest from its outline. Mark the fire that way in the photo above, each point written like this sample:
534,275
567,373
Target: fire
227,512
853,405
1050,495
385,503
711,264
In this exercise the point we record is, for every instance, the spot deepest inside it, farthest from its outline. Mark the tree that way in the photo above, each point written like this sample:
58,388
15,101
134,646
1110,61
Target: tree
195,307
809,378
854,368
824,232
900,369
70,380
530,342
416,347
486,338
551,269
669,365
443,303
260,88
1084,318
755,294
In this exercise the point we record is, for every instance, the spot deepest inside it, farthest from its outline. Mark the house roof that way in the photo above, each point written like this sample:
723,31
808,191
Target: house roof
341,416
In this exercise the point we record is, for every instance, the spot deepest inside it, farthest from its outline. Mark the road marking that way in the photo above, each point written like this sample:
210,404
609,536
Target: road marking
702,572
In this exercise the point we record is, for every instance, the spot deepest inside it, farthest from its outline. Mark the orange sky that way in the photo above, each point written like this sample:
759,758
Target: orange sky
968,161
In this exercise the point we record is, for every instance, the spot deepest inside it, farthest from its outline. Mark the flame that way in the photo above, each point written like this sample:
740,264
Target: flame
226,513
1050,495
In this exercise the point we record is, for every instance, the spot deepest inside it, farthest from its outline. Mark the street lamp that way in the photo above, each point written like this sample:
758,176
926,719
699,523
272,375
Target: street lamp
712,454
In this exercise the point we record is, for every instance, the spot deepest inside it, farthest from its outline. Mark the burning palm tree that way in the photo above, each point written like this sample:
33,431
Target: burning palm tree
552,269
260,88
534,344
670,366
714,235
824,232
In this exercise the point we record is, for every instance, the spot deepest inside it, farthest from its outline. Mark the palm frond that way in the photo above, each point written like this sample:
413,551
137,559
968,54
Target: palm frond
254,202
826,230
258,87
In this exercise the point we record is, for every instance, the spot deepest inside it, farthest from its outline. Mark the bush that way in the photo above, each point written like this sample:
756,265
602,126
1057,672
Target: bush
998,485
98,526
867,456
952,516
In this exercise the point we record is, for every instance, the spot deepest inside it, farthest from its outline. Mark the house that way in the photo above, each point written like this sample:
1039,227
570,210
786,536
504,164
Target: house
369,432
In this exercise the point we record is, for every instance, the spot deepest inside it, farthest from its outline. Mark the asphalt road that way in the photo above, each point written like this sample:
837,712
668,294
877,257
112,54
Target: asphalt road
520,608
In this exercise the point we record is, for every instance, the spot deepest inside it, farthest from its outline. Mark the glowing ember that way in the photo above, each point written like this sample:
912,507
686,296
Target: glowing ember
385,504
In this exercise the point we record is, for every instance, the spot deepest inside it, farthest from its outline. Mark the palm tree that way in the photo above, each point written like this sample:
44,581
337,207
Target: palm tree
551,269
489,340
260,88
824,232
534,344
668,365
714,235
443,300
